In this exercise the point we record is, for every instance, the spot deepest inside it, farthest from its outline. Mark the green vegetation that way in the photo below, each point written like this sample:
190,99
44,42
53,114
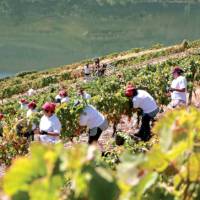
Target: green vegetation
170,170
107,92
18,85
167,167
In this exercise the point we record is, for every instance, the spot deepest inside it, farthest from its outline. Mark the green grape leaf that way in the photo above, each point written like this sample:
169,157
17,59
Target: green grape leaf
145,183
194,167
177,150
156,160
101,185
46,189
24,172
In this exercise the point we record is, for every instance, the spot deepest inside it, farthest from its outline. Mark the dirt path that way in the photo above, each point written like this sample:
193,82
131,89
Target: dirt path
142,53
134,55
165,58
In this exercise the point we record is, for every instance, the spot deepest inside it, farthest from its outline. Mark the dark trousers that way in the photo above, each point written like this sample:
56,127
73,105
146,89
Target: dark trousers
94,138
145,130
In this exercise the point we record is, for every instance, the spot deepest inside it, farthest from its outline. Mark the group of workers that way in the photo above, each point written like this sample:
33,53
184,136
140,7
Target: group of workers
97,69
50,127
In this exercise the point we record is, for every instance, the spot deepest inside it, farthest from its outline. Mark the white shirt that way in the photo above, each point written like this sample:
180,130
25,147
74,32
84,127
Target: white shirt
29,112
50,124
86,70
91,117
86,96
144,101
65,100
179,83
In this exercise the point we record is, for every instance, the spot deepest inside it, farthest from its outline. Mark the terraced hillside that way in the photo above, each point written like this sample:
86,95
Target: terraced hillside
165,167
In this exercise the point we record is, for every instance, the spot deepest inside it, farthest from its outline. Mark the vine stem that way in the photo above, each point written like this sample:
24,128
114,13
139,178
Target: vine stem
114,129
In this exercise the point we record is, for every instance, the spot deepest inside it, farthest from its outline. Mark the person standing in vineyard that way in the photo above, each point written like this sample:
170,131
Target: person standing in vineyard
86,71
144,101
97,67
103,69
50,126
95,121
178,89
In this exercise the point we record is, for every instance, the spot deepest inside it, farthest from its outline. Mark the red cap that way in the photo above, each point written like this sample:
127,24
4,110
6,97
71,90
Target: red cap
177,69
63,93
1,116
48,106
32,105
129,90
24,101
